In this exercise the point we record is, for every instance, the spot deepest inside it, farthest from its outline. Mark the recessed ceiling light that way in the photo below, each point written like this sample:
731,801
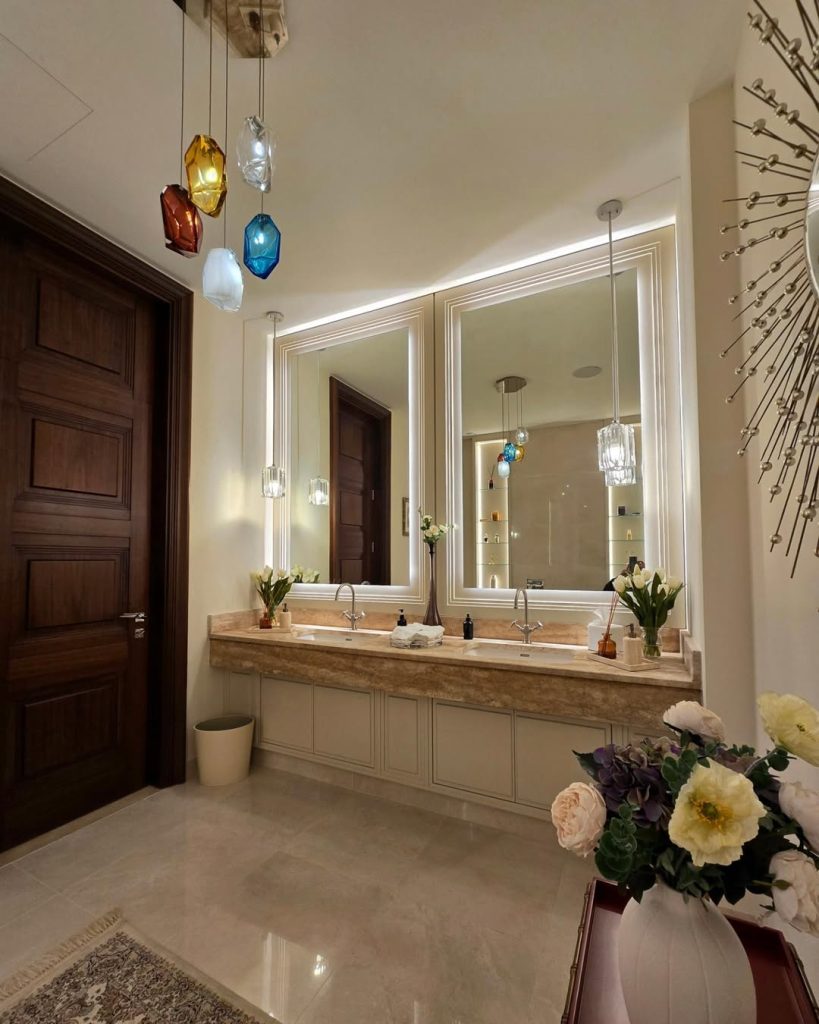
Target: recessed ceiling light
586,371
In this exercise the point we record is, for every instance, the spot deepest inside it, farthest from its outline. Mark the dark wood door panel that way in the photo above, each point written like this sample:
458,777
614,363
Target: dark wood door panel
65,457
35,665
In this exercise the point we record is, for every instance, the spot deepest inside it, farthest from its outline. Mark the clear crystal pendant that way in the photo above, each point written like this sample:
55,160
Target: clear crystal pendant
318,492
616,454
273,482
256,153
222,282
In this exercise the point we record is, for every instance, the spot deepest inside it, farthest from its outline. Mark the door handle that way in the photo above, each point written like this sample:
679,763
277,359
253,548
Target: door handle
138,619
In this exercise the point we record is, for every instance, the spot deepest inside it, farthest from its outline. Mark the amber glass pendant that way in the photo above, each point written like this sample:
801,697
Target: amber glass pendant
183,223
205,168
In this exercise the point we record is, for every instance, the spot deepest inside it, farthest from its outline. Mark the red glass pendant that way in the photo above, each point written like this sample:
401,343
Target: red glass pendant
183,222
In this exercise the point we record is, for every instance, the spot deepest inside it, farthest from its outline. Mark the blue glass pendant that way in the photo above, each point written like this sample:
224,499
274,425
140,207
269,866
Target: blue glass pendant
262,245
510,451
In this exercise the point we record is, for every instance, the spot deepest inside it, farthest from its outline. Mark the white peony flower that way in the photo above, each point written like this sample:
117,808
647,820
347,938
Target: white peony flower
579,817
802,804
798,904
791,723
620,584
690,716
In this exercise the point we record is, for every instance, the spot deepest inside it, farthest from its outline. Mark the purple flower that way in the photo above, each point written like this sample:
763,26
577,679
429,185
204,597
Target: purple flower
627,775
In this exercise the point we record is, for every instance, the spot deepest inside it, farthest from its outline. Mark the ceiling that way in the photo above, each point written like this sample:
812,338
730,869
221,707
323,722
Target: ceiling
545,338
418,143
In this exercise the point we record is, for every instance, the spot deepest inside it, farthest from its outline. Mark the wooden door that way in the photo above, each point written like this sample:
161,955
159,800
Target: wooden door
359,487
76,380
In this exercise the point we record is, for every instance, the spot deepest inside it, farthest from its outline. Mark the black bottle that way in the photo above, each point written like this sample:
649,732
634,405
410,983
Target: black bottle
402,619
469,628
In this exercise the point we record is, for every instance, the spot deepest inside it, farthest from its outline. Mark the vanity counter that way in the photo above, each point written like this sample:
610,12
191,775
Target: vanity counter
462,671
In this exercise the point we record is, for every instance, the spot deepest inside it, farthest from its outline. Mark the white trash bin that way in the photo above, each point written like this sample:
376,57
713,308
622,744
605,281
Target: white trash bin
223,748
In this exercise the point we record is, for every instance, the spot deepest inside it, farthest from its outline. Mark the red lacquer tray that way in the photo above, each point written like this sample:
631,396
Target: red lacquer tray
782,992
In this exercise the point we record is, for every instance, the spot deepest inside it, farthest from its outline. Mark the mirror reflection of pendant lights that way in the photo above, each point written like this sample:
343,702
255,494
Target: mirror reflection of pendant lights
222,282
256,145
274,484
204,158
616,454
318,492
262,241
180,218
512,451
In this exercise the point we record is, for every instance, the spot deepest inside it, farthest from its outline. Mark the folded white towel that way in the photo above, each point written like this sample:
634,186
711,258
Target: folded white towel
417,635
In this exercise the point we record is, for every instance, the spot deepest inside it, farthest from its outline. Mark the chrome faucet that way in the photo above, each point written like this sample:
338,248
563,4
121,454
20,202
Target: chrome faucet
524,627
352,616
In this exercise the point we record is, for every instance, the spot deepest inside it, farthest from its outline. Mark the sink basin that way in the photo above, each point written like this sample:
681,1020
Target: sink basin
334,637
518,652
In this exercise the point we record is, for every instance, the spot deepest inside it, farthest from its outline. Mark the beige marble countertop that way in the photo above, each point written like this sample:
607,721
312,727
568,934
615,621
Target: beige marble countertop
572,687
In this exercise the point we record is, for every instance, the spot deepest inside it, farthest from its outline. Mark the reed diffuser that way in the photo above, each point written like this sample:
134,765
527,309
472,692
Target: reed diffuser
606,647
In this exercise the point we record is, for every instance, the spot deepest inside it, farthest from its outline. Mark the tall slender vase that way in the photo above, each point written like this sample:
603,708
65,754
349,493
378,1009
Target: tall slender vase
432,616
681,962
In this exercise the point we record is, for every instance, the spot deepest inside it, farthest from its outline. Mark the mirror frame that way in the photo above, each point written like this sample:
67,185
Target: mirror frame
416,317
653,255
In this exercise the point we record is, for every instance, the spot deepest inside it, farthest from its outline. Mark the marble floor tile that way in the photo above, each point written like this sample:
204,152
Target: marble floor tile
321,905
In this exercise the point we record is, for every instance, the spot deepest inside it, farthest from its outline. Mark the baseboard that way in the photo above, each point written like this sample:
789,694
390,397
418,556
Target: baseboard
411,796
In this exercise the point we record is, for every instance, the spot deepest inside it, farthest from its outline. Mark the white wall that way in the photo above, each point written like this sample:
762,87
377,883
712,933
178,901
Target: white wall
226,507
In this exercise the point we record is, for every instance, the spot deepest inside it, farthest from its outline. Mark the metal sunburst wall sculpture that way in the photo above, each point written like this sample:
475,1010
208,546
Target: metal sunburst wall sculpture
781,342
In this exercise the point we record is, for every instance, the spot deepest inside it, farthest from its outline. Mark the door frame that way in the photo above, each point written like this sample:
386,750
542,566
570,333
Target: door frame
340,392
168,629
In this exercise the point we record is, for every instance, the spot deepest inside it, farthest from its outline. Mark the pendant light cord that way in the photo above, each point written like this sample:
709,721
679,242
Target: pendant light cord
615,374
261,84
227,40
210,73
182,107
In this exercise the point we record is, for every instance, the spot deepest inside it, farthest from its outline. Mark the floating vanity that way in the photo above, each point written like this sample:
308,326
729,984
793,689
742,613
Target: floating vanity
488,721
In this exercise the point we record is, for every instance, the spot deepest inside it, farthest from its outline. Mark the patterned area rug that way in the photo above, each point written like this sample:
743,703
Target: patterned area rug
109,974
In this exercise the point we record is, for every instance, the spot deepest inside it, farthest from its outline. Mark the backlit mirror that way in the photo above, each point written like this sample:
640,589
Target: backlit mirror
542,363
349,429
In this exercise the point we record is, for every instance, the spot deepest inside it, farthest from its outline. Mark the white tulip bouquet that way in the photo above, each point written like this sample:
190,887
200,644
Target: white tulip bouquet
707,819
650,595
273,587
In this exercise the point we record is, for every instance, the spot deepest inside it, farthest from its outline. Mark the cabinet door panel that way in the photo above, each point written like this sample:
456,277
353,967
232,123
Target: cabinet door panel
544,762
402,748
343,724
473,749
287,713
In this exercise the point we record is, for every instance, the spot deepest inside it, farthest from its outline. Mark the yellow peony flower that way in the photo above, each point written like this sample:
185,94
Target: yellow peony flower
717,811
791,723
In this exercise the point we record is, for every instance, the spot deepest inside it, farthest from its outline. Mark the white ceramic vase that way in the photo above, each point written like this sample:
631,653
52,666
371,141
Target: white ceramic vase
681,962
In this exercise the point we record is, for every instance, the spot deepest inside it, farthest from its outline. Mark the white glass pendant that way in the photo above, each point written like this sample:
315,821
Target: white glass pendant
502,469
256,153
222,282
521,436
319,491
616,455
273,482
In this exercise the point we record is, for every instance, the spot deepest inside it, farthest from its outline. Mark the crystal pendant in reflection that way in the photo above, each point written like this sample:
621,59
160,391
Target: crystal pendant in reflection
205,168
521,436
182,221
222,280
318,492
256,153
273,482
509,451
262,246
503,469
616,455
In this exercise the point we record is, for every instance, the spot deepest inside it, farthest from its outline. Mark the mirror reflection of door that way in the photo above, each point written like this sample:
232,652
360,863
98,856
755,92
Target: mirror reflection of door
359,487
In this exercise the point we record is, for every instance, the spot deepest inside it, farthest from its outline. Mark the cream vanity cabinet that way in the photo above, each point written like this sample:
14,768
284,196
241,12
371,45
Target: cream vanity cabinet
496,756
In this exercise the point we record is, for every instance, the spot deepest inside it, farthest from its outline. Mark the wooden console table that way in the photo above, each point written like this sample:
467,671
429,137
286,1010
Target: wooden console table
782,992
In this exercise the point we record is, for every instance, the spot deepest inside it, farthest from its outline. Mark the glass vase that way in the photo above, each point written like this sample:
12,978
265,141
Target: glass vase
651,642
432,617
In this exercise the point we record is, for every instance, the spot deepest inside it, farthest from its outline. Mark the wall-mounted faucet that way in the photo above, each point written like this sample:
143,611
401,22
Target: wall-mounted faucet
524,627
352,616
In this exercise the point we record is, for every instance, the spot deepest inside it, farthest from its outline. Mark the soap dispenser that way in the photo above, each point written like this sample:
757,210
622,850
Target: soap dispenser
285,618
402,619
632,648
469,628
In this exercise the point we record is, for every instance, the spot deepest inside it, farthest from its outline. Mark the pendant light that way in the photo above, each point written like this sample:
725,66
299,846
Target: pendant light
222,282
615,443
256,145
180,218
262,242
204,158
274,483
318,492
